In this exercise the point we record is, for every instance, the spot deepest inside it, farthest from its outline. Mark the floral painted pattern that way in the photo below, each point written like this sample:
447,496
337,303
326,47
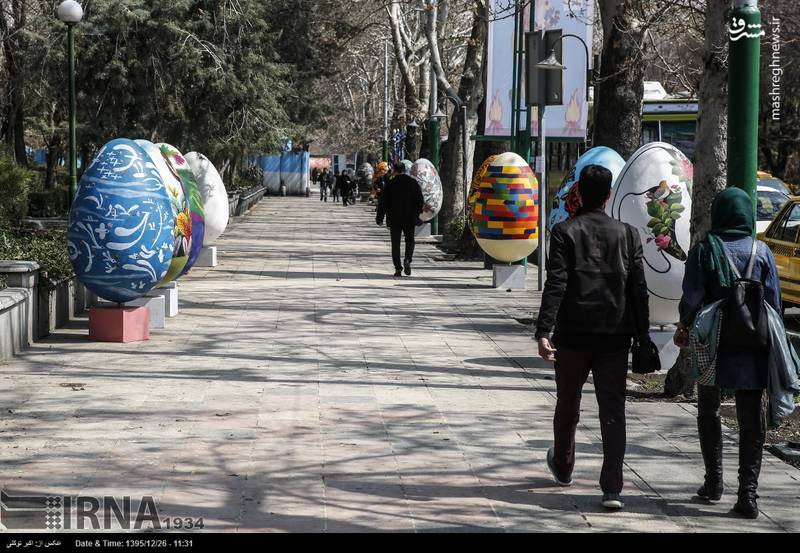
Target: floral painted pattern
665,207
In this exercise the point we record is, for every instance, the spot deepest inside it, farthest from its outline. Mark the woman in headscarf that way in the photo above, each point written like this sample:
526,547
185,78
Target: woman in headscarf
707,279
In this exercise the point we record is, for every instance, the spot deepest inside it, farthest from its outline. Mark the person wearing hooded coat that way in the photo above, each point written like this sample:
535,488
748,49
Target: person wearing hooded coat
707,279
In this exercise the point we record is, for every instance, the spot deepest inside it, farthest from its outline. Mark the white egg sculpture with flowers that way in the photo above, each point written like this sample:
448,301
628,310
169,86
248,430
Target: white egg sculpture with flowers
654,194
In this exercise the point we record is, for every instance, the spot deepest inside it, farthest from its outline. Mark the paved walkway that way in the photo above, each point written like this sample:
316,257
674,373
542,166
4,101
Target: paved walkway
302,388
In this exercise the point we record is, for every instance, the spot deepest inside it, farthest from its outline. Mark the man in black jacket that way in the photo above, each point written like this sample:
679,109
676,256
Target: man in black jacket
401,202
595,281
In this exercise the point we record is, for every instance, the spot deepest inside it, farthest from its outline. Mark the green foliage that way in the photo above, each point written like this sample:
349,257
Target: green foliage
250,178
14,188
455,229
47,248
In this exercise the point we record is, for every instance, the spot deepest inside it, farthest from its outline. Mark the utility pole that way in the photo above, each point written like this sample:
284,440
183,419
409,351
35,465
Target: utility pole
744,35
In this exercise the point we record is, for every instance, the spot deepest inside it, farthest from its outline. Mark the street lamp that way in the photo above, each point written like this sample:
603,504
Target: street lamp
551,63
71,13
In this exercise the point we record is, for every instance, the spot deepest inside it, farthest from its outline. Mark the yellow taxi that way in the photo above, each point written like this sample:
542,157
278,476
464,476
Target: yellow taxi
782,237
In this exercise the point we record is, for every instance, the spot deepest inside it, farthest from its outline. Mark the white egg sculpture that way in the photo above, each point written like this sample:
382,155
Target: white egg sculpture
428,178
215,198
654,194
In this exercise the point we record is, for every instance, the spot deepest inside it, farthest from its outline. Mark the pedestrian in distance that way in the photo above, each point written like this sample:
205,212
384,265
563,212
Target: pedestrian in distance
345,183
323,185
401,203
594,293
712,267
335,187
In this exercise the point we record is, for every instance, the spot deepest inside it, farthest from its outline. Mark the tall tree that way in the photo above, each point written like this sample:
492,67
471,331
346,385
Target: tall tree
470,92
710,163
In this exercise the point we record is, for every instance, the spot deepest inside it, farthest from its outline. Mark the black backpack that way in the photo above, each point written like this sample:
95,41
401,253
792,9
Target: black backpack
745,326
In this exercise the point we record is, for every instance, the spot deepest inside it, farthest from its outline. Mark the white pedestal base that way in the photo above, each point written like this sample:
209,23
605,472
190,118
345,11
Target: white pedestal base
156,306
207,257
509,277
170,295
667,350
423,231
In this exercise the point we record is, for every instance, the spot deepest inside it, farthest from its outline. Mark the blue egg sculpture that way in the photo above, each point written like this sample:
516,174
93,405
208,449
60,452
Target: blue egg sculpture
567,200
121,224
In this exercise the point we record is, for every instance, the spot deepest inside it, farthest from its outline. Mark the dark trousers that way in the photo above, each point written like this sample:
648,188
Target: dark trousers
609,370
323,193
345,197
408,231
752,430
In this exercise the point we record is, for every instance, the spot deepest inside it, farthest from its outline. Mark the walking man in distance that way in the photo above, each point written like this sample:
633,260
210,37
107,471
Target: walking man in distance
401,202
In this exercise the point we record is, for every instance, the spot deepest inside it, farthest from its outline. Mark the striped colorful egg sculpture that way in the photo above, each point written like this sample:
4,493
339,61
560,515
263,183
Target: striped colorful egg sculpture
182,232
119,237
505,215
568,200
180,167
428,178
654,194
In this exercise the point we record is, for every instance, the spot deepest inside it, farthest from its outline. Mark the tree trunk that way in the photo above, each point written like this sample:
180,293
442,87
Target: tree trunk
53,152
620,88
710,168
15,79
471,92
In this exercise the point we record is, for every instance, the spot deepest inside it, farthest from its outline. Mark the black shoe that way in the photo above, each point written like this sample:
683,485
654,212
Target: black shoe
710,491
407,267
612,501
398,273
747,506
551,466
710,434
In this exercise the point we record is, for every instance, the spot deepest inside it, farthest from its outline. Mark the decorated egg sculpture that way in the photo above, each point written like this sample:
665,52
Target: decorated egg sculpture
654,194
180,167
428,178
215,198
568,200
505,215
475,185
119,237
182,233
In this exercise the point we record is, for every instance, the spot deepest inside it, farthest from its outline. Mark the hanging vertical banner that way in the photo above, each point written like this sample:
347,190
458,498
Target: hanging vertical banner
573,17
500,68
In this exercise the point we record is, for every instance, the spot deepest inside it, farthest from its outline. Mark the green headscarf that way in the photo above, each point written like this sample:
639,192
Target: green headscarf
732,216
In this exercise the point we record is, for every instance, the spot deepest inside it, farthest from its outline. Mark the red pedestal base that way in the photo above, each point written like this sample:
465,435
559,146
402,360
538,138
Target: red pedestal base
119,324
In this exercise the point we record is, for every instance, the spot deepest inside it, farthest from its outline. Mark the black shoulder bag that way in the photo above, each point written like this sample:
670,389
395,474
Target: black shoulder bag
644,353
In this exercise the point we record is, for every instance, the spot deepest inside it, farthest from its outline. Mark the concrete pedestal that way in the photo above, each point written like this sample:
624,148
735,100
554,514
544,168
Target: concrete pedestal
207,257
423,231
119,324
170,295
509,277
157,307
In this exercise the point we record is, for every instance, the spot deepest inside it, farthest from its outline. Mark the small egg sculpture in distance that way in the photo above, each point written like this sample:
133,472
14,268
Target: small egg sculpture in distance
428,178
505,213
177,163
120,229
215,197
